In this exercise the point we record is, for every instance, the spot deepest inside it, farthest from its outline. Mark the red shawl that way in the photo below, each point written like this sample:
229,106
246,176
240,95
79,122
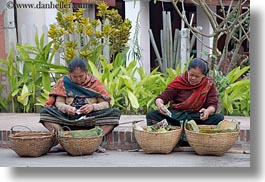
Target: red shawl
91,83
198,96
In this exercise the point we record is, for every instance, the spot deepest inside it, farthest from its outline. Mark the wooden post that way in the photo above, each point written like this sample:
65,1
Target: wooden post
10,43
10,29
185,47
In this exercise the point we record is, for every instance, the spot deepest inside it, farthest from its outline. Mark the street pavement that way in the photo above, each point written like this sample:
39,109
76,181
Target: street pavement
235,158
116,158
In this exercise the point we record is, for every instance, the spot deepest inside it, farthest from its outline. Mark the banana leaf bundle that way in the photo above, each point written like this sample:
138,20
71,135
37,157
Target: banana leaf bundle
222,127
94,132
192,125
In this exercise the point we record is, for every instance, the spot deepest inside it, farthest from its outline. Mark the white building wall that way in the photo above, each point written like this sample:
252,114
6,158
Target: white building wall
35,16
203,21
38,17
132,9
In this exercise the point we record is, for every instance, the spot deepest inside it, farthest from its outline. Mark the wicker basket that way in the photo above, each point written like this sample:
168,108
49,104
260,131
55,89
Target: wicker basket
153,142
79,146
31,144
211,143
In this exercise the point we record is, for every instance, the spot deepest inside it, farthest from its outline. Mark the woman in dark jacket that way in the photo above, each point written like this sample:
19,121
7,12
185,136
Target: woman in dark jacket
79,101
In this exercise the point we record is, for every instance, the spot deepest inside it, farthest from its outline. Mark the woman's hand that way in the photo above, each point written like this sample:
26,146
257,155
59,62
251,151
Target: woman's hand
160,106
205,113
85,109
71,111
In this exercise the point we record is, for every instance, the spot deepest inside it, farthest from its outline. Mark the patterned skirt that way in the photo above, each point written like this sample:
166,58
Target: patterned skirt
108,116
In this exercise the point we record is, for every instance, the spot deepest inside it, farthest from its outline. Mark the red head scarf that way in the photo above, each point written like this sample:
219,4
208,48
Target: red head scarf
197,98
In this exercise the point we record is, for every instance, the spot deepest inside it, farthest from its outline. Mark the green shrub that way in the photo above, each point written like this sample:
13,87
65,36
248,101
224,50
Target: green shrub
234,92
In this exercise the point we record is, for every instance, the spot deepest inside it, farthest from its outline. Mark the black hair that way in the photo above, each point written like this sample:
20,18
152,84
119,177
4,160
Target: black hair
77,63
199,63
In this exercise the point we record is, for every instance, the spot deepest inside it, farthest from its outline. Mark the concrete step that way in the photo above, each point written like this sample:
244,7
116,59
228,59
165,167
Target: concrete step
121,138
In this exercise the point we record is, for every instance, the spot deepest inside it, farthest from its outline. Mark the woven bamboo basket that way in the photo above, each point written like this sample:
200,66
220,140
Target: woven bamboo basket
211,143
31,144
79,146
153,142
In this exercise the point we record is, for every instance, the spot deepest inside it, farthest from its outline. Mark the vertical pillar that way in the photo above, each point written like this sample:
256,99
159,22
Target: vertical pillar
132,9
203,21
2,30
184,46
3,54
10,30
8,33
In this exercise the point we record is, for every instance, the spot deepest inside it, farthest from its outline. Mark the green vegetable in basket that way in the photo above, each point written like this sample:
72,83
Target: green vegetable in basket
152,128
222,127
192,125
94,132
215,130
155,128
169,128
149,129
161,130
211,130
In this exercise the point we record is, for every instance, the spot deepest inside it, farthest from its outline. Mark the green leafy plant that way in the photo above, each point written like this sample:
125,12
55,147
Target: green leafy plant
132,90
79,36
36,72
29,75
234,92
2,101
130,94
11,70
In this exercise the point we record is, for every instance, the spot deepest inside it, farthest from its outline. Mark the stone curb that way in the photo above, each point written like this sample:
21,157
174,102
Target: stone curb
121,138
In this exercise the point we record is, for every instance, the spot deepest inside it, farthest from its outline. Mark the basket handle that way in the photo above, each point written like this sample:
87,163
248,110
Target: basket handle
12,128
59,132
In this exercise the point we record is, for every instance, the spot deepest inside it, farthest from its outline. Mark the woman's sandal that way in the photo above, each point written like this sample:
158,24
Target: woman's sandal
101,150
56,149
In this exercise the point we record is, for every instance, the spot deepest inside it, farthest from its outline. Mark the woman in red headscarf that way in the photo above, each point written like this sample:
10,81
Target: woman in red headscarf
191,95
